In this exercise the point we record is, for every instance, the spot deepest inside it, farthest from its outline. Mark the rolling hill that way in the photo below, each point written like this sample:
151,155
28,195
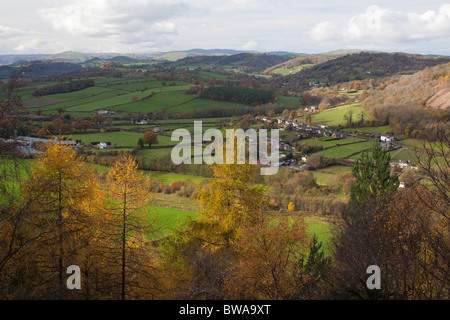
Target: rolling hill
358,66
249,62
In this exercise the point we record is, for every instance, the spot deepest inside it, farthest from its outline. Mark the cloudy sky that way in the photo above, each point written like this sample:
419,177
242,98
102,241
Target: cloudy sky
145,26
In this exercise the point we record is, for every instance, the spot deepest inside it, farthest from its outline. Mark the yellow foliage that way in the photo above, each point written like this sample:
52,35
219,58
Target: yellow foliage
291,206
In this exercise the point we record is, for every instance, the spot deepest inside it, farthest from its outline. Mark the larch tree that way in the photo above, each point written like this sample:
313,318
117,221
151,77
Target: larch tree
199,258
130,200
59,190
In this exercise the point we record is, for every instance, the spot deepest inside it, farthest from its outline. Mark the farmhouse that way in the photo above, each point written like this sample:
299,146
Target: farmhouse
103,145
31,141
386,138
339,135
143,121
158,130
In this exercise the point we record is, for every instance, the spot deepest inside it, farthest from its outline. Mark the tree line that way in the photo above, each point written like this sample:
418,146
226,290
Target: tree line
242,95
64,87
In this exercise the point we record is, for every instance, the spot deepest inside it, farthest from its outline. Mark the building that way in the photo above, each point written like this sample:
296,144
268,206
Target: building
143,121
387,138
339,135
158,130
103,145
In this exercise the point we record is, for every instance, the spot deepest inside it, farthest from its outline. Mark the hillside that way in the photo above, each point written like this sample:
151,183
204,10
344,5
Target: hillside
248,62
40,68
427,88
299,62
410,103
358,66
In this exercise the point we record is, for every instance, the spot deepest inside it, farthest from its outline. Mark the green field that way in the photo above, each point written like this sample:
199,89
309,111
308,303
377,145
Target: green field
168,220
284,71
382,129
157,102
199,103
335,116
120,138
323,232
328,142
347,150
288,101
169,178
80,103
336,169
321,177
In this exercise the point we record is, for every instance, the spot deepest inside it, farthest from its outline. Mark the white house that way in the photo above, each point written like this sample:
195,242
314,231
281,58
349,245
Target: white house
384,138
102,145
143,121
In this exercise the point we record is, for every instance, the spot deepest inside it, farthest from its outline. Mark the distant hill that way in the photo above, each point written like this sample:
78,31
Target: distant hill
358,66
36,69
299,61
248,62
78,57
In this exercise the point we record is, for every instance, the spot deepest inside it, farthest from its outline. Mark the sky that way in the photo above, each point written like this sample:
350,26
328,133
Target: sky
146,26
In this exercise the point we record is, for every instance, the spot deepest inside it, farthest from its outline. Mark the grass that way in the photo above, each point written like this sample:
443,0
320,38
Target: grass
199,103
382,129
335,116
72,105
120,138
322,230
347,150
288,101
336,169
168,178
174,201
111,103
328,142
157,102
80,94
284,71
168,220
404,155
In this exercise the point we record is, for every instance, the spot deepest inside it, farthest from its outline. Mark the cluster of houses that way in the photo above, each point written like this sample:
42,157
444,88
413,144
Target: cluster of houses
305,130
403,165
29,145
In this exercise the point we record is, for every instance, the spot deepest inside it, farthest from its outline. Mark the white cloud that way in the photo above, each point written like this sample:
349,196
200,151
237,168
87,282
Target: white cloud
387,26
9,32
251,45
99,18
42,46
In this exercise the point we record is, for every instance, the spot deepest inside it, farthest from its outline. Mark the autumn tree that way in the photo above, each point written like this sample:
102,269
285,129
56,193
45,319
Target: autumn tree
150,138
200,257
402,236
98,119
11,110
83,125
59,191
269,252
128,225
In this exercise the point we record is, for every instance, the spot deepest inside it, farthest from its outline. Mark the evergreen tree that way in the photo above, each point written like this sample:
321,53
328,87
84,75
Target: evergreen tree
373,177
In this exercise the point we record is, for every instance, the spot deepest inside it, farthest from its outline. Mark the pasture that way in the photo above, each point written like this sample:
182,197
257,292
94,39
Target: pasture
335,116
